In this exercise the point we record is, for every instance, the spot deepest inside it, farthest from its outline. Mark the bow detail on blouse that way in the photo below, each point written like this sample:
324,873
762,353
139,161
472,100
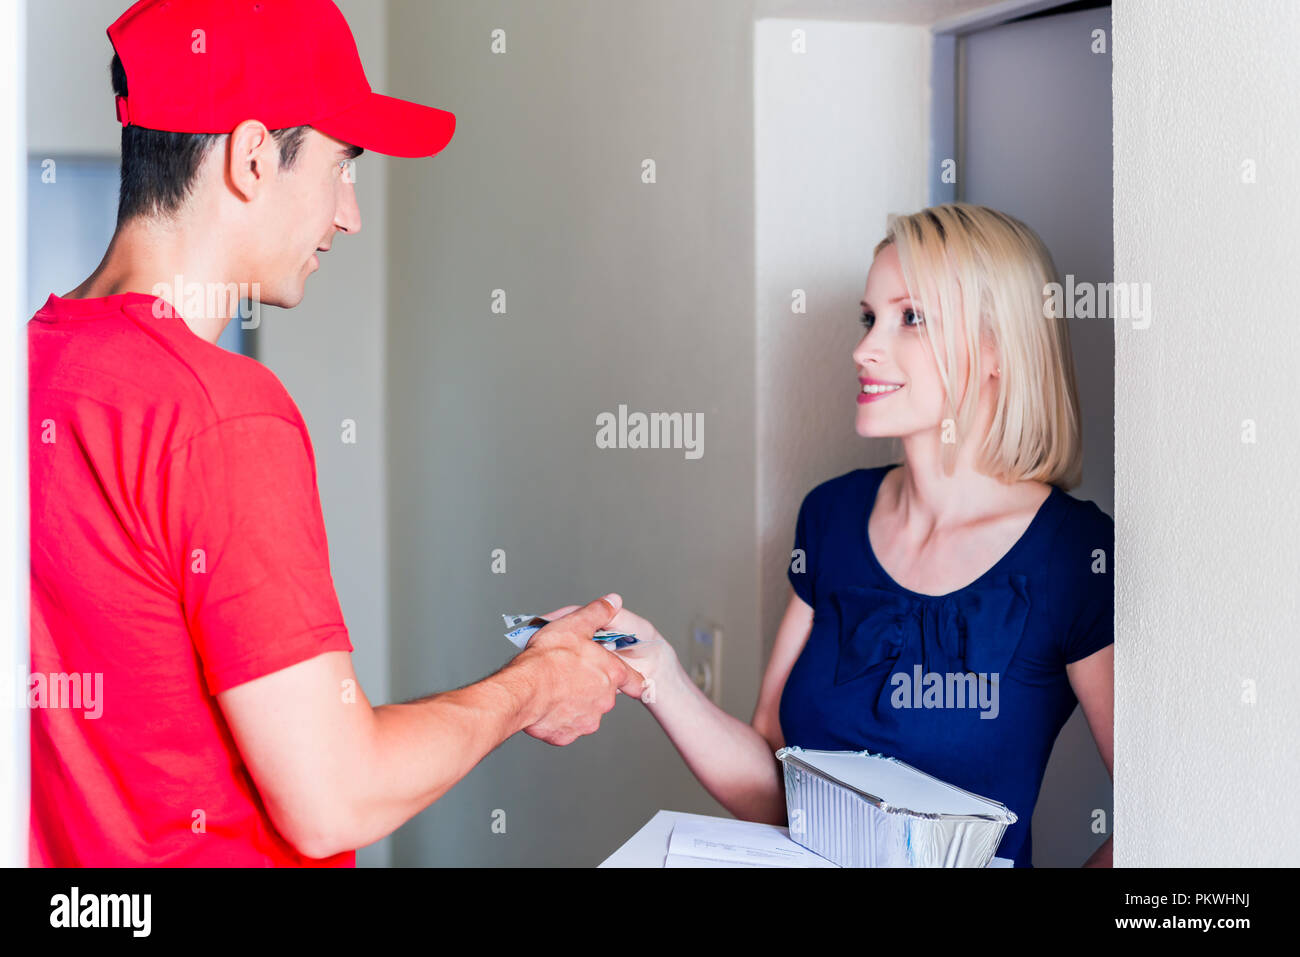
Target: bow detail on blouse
976,629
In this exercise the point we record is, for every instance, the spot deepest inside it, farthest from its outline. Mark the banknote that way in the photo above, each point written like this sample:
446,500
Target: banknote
523,627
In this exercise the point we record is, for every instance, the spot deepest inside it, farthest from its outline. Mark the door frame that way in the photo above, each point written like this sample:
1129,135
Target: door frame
946,89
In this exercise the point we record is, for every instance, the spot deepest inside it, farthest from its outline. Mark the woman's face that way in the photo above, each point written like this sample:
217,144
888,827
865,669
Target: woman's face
899,389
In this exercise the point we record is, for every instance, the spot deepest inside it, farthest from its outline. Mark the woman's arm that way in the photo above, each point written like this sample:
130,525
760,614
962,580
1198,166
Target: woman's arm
733,760
1093,681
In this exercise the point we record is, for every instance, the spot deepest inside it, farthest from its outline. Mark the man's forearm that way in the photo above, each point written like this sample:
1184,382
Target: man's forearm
418,750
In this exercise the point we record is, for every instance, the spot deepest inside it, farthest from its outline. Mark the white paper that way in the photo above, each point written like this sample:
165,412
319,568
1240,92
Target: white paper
681,860
723,843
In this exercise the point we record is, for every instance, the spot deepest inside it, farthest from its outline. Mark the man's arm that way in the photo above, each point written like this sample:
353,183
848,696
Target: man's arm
337,774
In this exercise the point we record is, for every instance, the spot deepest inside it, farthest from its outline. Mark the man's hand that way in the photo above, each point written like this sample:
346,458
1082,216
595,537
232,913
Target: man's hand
576,680
652,655
336,774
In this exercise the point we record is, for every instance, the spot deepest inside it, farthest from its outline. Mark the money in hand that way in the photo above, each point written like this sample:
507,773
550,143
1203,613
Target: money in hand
523,627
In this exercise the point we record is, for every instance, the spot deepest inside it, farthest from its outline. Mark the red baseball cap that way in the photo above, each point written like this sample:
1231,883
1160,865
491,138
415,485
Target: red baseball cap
205,66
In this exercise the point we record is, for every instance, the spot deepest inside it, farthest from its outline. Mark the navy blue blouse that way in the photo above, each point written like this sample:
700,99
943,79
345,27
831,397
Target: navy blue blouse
885,668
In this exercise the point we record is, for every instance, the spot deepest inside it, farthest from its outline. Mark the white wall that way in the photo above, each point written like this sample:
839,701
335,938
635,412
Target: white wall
841,139
1206,557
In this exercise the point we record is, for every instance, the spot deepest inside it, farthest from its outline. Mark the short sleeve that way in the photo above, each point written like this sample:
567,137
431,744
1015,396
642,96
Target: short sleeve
1090,564
800,569
247,540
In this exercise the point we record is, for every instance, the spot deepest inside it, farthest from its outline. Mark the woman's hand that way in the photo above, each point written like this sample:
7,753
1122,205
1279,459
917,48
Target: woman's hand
652,655
731,759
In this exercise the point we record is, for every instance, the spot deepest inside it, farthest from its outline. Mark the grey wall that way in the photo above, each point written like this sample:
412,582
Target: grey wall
69,97
1035,142
617,292
1206,611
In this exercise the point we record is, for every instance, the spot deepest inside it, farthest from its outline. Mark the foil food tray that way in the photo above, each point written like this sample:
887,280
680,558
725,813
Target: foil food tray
860,809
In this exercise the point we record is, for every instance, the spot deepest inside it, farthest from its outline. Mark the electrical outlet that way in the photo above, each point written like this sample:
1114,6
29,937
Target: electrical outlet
704,663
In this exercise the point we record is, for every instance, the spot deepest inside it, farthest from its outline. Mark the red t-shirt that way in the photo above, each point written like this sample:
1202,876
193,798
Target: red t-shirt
177,550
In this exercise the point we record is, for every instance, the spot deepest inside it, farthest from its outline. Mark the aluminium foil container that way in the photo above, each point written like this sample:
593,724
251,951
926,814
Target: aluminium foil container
860,809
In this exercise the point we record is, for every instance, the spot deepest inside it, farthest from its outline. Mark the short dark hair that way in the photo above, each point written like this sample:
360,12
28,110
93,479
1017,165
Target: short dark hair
159,167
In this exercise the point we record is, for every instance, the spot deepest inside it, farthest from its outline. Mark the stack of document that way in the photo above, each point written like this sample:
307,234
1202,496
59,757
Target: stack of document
721,843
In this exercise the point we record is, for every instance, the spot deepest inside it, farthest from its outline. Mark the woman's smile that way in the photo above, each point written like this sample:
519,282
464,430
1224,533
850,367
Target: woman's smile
873,389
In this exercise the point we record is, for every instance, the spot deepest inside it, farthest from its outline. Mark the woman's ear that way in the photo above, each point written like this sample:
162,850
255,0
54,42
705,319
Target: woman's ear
989,356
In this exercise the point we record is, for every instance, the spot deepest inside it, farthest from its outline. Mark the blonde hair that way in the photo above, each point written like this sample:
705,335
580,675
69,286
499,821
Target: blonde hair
989,272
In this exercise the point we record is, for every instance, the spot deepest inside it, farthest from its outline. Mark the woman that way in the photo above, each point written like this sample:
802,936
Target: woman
966,557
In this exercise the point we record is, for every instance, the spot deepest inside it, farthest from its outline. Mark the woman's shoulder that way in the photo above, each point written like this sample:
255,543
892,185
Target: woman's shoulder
1083,520
831,515
1081,578
850,487
1082,551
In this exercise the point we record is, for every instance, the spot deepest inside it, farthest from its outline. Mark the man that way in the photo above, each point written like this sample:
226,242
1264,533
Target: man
179,560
